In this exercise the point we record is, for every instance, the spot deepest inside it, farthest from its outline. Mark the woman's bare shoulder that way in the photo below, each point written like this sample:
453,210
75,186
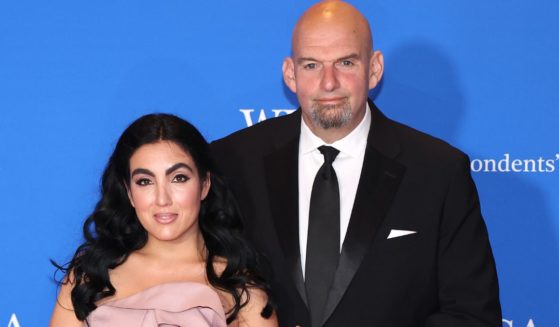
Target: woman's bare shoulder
257,299
63,313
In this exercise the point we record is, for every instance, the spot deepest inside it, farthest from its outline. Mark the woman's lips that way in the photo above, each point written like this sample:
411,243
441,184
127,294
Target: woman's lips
165,218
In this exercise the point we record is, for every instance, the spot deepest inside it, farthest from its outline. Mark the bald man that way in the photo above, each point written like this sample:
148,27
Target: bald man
366,222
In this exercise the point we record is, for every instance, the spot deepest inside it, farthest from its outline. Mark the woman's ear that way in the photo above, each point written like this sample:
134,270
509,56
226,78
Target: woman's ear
206,185
129,194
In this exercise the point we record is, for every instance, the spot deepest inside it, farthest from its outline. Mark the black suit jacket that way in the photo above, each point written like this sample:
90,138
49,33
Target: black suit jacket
442,275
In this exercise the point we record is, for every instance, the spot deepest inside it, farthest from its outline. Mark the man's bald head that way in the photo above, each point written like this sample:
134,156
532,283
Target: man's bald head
332,68
331,15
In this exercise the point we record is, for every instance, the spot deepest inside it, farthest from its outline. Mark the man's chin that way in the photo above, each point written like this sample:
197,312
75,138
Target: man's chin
332,120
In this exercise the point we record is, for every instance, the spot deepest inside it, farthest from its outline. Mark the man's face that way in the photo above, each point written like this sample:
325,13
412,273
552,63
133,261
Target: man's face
331,73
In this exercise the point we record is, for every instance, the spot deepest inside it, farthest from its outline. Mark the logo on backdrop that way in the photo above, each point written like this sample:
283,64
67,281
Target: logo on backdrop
505,164
252,116
13,321
510,164
510,323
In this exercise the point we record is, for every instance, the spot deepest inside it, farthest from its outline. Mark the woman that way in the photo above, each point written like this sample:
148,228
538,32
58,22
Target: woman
164,244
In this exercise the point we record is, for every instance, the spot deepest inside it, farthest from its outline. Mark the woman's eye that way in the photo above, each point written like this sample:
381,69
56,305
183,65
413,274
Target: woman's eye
143,182
180,179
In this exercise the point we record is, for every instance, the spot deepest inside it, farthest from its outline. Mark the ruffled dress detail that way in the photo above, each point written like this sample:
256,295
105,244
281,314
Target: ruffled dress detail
167,305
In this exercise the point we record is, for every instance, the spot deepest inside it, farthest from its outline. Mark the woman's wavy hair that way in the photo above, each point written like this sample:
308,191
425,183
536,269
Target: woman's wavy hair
113,230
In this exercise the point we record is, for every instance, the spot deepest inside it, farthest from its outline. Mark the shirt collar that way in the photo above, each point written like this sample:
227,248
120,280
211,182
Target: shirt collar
352,144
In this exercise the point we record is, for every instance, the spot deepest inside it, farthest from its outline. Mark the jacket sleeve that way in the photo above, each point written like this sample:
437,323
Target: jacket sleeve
468,290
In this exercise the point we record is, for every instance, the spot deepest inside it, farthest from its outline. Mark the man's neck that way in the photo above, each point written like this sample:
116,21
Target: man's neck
331,135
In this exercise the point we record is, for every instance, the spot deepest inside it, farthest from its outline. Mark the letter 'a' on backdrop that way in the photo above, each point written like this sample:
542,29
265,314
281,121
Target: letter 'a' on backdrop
479,74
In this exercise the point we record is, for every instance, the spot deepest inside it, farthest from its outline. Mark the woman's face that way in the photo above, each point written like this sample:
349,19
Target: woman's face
166,191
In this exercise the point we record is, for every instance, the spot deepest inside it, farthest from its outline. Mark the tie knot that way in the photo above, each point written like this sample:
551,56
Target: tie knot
329,153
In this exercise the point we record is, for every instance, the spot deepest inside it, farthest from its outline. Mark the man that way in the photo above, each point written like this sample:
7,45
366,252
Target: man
382,227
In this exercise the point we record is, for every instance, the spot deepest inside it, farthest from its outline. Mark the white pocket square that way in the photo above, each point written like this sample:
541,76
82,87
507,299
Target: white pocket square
399,232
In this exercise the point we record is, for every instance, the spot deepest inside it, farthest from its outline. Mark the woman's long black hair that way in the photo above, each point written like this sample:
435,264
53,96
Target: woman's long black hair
113,230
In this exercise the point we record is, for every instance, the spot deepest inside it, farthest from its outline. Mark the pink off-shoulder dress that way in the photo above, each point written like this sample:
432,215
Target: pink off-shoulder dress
171,304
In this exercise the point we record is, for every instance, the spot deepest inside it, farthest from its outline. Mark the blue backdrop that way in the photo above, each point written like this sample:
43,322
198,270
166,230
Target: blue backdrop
480,74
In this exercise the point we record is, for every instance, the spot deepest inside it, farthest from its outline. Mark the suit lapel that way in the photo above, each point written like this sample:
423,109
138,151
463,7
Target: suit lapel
281,168
379,181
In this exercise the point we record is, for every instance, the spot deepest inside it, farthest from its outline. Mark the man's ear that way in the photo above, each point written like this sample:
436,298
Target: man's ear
288,69
129,194
376,69
206,185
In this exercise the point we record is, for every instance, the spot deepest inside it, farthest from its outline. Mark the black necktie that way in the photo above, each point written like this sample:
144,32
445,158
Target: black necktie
323,243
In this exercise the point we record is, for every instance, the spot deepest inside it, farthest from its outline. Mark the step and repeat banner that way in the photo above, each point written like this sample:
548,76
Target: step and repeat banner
480,74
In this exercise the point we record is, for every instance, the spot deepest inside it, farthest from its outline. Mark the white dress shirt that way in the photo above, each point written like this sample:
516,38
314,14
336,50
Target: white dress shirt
348,165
